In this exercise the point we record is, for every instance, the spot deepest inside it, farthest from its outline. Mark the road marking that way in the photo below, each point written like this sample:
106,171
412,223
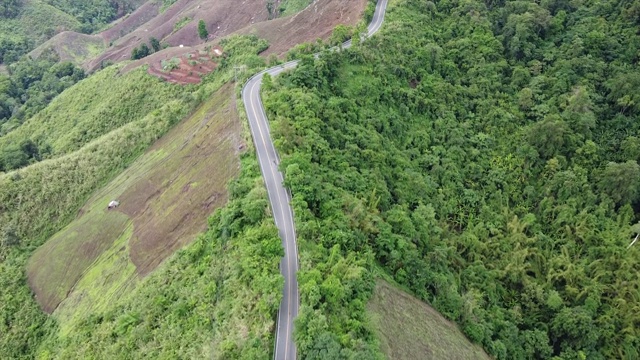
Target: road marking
280,205
288,225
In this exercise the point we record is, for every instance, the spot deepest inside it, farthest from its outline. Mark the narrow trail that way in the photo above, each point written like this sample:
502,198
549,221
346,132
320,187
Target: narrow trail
280,198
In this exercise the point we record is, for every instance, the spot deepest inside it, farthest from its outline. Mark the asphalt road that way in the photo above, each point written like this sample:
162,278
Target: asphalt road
280,198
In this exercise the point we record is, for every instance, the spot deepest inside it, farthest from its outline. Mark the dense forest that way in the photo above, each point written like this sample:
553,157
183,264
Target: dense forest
28,88
485,154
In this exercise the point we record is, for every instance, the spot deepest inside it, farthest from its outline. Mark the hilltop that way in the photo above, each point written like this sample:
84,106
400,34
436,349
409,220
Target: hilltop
174,27
27,23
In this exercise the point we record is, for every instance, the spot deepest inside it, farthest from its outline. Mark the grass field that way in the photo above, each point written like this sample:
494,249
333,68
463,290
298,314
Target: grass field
72,46
410,329
291,7
165,195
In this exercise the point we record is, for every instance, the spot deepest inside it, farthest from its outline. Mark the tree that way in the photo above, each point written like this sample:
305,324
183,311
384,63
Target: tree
621,181
547,136
141,52
202,30
155,44
9,8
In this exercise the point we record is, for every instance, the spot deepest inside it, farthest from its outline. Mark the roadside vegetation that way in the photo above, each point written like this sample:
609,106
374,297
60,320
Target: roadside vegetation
216,299
95,129
485,154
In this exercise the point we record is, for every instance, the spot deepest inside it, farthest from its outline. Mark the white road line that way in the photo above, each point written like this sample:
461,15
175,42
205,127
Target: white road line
266,150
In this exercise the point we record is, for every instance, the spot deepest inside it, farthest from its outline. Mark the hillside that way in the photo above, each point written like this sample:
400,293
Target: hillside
486,155
409,329
24,24
110,278
284,26
216,299
96,129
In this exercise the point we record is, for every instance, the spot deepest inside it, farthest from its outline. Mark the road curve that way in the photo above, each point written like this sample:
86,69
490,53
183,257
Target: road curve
279,197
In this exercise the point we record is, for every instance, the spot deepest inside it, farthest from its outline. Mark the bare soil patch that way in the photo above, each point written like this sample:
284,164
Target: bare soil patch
316,21
222,17
185,68
171,205
131,22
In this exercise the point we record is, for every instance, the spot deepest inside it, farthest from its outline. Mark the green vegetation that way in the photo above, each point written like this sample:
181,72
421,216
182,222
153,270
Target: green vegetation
175,185
26,24
202,30
140,52
409,329
485,154
215,299
290,7
76,117
166,4
29,86
181,23
95,129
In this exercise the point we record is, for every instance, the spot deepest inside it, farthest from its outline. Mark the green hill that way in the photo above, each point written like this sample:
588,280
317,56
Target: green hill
24,24
117,117
485,154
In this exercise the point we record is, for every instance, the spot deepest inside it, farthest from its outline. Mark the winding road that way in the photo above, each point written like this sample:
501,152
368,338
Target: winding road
280,198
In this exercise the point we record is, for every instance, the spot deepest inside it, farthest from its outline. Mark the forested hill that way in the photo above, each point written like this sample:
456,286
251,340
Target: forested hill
24,24
486,154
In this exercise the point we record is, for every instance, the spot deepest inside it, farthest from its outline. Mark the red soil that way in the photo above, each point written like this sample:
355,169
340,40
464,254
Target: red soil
221,16
316,21
191,67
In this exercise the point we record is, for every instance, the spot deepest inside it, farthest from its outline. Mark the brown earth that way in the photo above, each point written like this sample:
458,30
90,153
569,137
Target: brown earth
221,16
314,22
190,68
171,205
166,195
131,22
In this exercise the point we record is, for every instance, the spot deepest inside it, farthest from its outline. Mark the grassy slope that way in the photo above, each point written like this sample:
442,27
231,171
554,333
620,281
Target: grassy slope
92,108
113,127
217,298
56,188
72,46
410,329
165,197
35,20
38,21
293,6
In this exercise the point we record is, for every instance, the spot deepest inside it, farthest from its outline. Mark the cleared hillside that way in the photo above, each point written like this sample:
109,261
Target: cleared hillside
215,299
40,199
165,198
409,329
